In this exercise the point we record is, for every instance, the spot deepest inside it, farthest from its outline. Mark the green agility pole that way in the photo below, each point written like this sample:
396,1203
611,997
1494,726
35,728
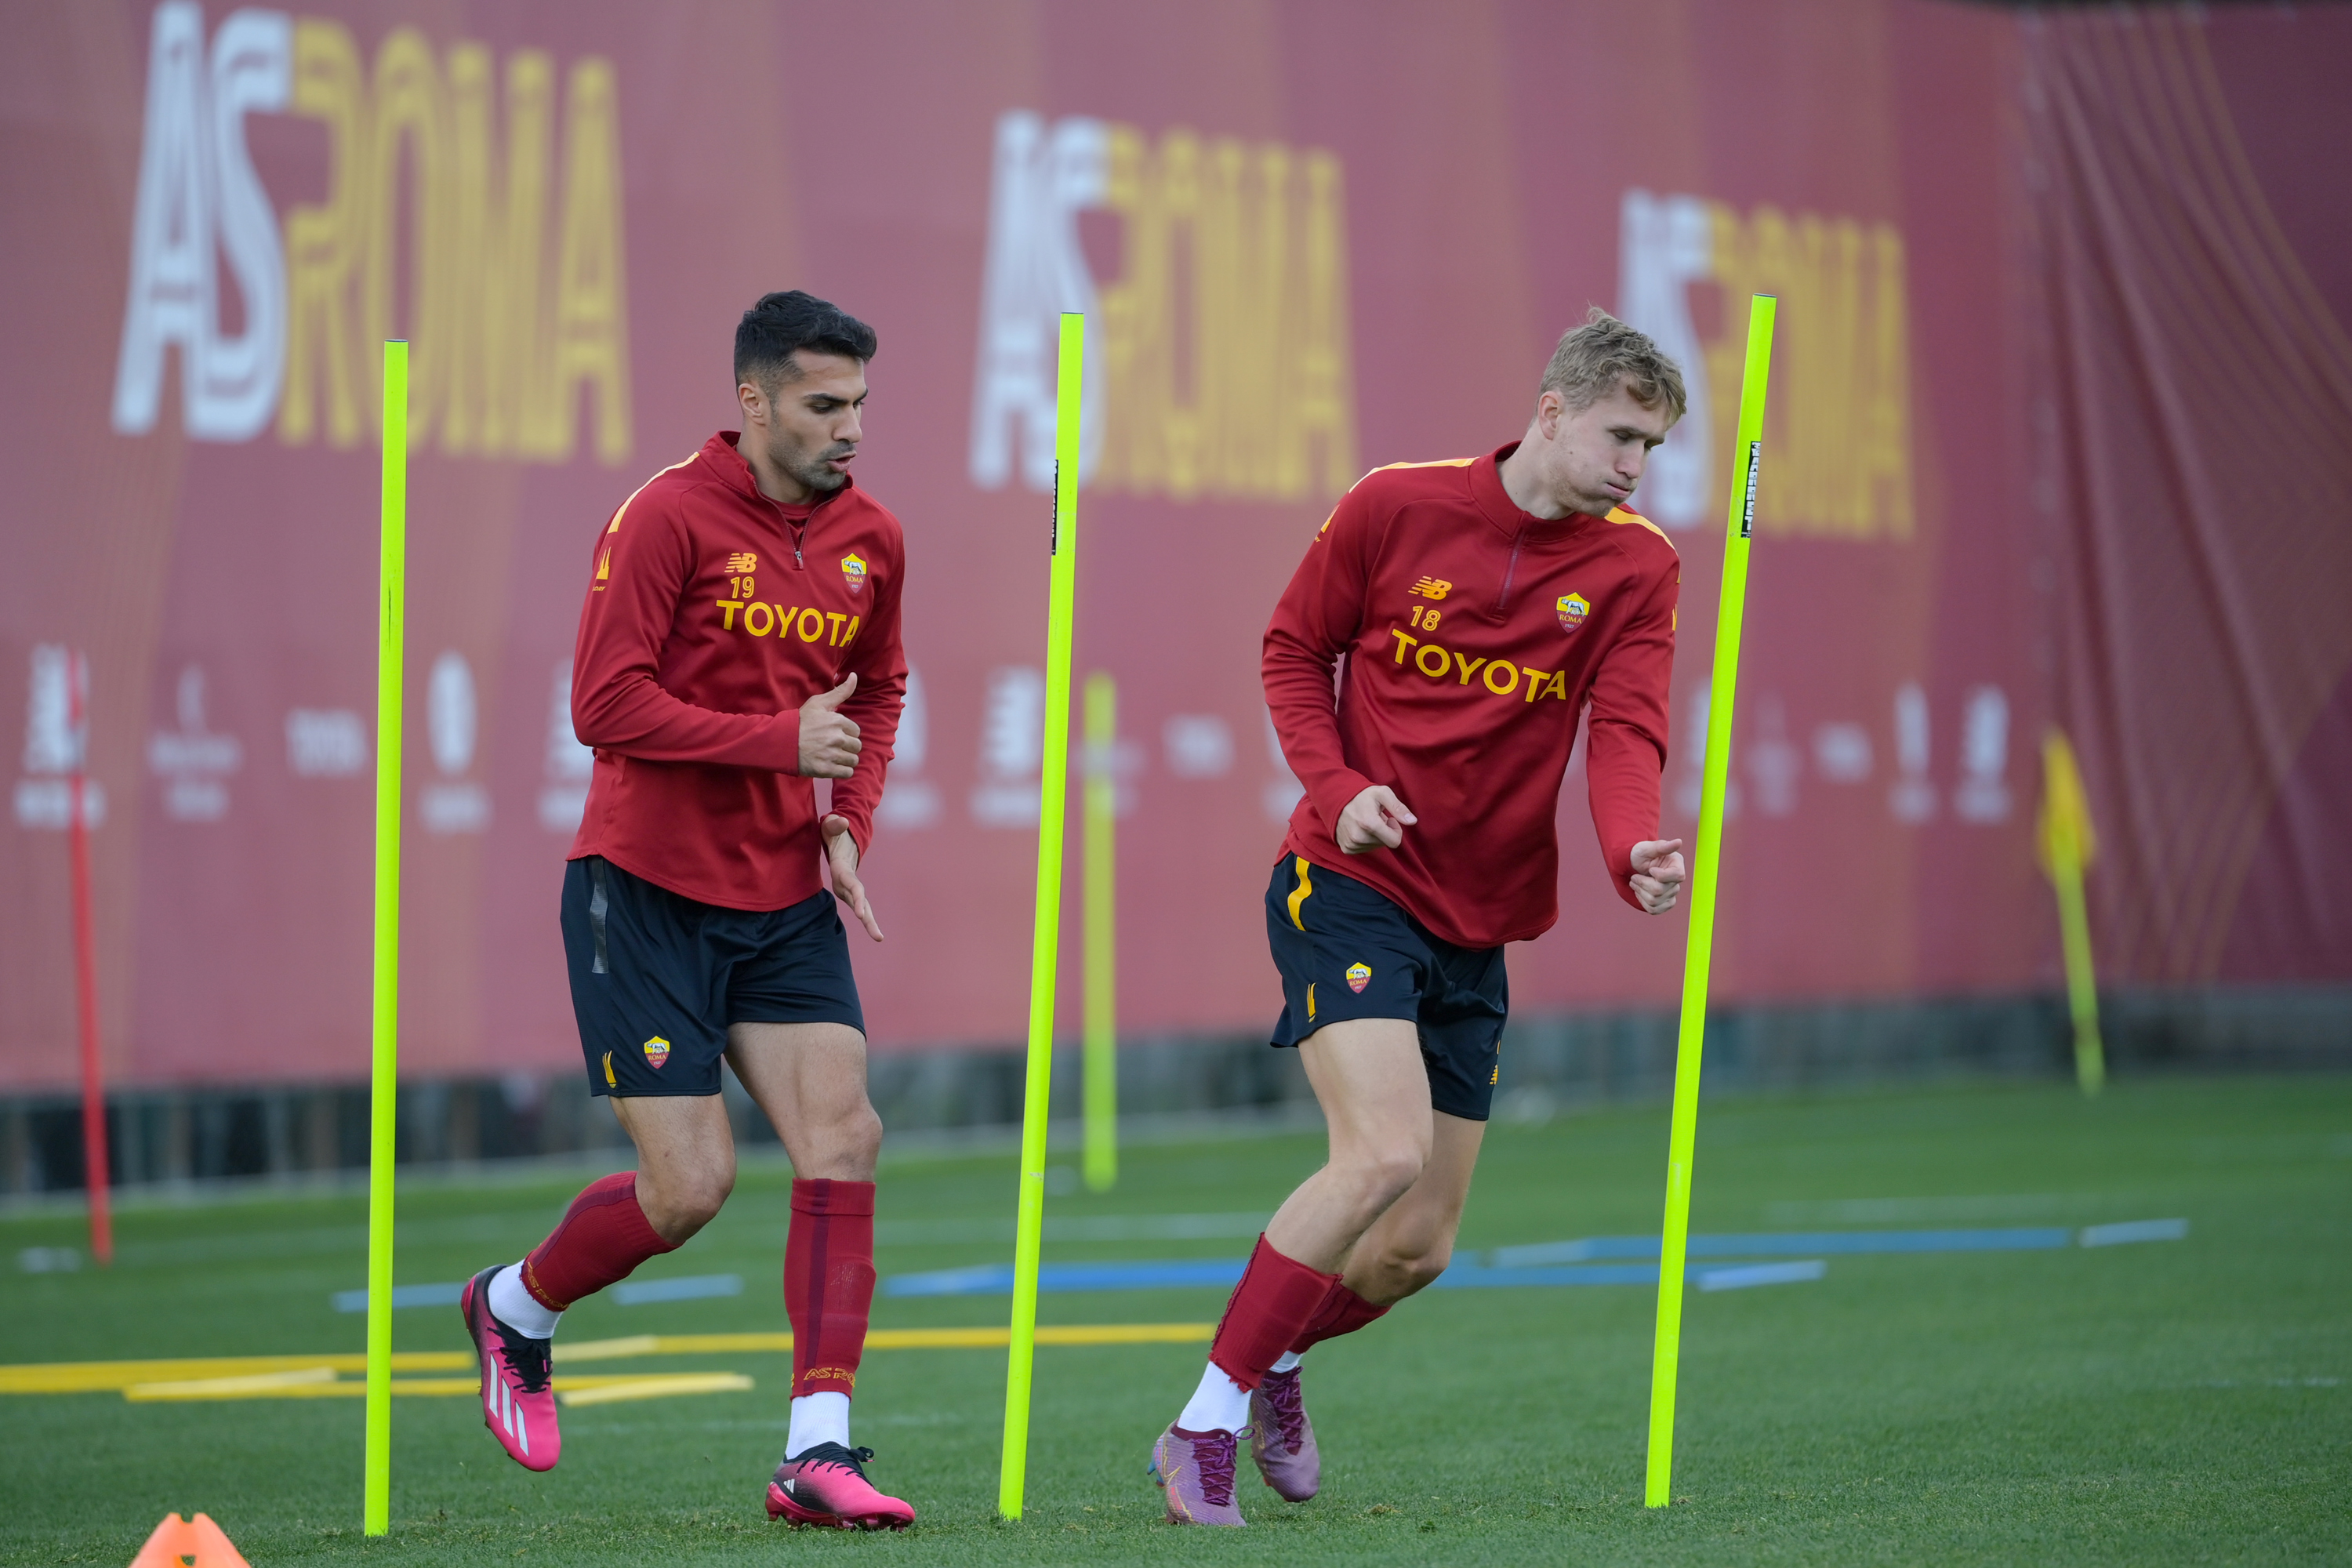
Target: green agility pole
1045,935
383,1120
1102,936
1703,882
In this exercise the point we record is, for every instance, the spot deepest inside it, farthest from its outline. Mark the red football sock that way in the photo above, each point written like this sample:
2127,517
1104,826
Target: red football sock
1276,1300
601,1237
829,1283
1342,1313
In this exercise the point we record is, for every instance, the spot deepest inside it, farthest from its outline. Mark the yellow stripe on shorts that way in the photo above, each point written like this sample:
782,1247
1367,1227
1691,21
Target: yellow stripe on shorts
1299,894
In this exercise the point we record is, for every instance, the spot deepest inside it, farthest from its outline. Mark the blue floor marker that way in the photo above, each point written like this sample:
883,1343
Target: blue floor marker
996,1279
2135,1230
1740,1276
1472,1276
2035,1239
1591,1260
685,1288
1767,1244
402,1295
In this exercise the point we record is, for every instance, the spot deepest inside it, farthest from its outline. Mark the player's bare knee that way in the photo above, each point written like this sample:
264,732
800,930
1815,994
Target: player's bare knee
1387,1175
861,1140
1399,1269
1416,1270
679,1203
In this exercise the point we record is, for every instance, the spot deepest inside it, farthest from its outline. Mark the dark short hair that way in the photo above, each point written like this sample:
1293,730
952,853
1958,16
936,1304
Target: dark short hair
771,330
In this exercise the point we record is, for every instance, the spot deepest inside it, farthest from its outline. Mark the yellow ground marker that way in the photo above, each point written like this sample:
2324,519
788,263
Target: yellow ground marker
110,1376
96,1376
256,1385
617,1390
320,1383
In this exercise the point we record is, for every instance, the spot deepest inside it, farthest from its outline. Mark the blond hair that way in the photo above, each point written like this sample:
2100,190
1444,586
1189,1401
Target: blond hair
1592,360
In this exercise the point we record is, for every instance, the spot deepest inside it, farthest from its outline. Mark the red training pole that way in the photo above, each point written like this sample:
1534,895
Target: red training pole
93,1077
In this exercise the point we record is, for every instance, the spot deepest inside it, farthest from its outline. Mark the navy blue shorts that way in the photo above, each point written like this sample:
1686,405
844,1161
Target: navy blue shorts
656,977
1345,952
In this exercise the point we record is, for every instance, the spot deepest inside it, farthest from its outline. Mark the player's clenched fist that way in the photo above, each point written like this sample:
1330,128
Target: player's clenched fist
1375,819
1658,874
829,743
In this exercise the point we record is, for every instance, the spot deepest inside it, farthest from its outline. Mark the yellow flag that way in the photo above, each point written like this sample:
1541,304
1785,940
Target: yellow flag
2062,832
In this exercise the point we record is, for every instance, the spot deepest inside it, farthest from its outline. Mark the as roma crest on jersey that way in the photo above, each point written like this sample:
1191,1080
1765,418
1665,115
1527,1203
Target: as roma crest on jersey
1359,977
854,571
657,1051
1572,610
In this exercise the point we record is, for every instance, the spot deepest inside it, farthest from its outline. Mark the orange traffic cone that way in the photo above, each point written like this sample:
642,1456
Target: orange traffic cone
188,1543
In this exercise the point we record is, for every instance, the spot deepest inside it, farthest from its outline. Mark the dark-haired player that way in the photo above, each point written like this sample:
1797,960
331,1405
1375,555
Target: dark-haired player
740,638
1480,605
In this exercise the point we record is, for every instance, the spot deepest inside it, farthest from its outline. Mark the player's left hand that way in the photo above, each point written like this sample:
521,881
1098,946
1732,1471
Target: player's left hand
1658,874
841,855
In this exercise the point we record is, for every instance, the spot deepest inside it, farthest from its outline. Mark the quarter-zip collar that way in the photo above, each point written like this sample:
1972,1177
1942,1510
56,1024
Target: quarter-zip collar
723,452
1523,529
1495,505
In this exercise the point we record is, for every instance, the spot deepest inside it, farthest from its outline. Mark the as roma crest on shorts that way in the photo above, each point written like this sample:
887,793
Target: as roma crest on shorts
854,570
1359,977
1572,610
657,1051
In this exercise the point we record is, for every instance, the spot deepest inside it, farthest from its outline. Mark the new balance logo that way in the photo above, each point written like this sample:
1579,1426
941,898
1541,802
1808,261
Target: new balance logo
1433,588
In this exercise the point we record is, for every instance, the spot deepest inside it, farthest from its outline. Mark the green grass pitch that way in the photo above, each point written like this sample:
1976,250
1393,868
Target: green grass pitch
2170,1401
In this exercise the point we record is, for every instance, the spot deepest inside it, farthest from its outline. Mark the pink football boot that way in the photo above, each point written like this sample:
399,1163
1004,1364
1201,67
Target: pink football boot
1196,1470
1282,1440
518,1382
827,1486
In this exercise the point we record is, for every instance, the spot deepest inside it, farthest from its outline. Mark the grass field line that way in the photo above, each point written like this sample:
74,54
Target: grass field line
96,1376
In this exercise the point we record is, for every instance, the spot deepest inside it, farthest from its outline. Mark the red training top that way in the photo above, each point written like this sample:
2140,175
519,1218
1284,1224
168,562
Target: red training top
713,614
1474,634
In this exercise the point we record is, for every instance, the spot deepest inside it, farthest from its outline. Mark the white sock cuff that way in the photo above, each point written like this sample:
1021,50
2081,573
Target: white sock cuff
819,1417
513,1303
1219,1405
1288,1362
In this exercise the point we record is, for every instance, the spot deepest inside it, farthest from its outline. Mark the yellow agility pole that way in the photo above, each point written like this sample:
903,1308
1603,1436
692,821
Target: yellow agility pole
1102,936
1704,881
382,1123
1045,934
2065,844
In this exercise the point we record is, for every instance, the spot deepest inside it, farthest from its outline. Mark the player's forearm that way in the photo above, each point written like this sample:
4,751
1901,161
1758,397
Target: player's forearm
1298,682
1623,767
856,797
634,717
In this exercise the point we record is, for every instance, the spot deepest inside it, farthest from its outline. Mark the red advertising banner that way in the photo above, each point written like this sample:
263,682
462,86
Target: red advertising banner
2058,436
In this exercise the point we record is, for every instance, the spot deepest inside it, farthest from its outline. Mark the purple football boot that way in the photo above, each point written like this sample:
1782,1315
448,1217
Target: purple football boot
1196,1470
1282,1440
